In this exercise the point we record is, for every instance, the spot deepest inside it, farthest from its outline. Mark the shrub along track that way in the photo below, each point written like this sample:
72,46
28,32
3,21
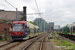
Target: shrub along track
67,39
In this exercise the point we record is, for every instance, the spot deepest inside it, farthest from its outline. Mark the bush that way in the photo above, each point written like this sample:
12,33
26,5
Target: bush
22,18
9,22
1,21
9,31
0,37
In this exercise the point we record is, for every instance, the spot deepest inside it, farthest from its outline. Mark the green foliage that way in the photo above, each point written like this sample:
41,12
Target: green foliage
1,21
32,22
63,42
49,32
22,18
0,37
57,43
9,22
54,35
9,31
66,43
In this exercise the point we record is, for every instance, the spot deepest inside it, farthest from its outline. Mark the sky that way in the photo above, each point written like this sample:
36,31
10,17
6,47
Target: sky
61,12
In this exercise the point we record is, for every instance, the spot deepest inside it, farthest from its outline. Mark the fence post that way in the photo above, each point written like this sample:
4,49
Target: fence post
5,33
3,37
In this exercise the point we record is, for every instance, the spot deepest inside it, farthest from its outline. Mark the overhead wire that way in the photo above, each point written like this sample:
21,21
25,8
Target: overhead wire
10,4
37,8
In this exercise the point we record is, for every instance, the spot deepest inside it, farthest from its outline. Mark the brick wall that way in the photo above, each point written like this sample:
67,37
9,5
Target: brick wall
4,25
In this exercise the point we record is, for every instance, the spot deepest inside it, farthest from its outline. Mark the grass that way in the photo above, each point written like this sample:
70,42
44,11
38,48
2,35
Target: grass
63,42
57,43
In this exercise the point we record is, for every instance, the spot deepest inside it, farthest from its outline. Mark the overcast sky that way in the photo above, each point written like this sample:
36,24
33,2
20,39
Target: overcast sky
61,12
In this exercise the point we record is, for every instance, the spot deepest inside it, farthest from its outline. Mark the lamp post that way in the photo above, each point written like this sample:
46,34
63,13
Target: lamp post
16,14
13,7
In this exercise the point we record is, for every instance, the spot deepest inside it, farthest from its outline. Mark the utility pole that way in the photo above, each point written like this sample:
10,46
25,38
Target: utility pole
16,14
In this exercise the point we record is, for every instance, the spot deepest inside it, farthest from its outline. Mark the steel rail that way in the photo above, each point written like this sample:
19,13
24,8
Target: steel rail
42,43
14,45
31,43
6,44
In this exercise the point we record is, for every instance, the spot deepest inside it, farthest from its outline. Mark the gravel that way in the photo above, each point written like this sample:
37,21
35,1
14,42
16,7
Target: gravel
23,45
7,46
36,44
47,45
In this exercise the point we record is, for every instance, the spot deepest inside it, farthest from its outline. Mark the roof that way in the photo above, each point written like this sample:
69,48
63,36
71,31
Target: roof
28,24
10,15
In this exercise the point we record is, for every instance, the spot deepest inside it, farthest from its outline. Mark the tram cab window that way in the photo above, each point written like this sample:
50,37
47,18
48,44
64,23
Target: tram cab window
27,29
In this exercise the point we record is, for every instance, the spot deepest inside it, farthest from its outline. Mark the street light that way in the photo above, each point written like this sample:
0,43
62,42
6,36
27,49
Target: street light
13,7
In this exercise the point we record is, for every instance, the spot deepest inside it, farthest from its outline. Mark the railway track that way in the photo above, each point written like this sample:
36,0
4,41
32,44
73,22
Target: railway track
67,39
72,37
41,46
4,44
32,42
10,45
13,44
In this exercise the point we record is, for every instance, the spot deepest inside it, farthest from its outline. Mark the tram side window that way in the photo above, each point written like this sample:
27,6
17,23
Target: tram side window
25,27
73,29
28,30
34,30
37,30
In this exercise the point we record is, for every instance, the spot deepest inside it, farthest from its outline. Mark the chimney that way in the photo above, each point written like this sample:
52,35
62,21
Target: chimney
24,14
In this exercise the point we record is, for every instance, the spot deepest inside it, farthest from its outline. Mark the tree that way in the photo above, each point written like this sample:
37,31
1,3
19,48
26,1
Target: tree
9,22
32,22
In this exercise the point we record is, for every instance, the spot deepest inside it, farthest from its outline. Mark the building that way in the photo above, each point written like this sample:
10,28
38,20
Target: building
10,15
56,26
51,26
43,25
